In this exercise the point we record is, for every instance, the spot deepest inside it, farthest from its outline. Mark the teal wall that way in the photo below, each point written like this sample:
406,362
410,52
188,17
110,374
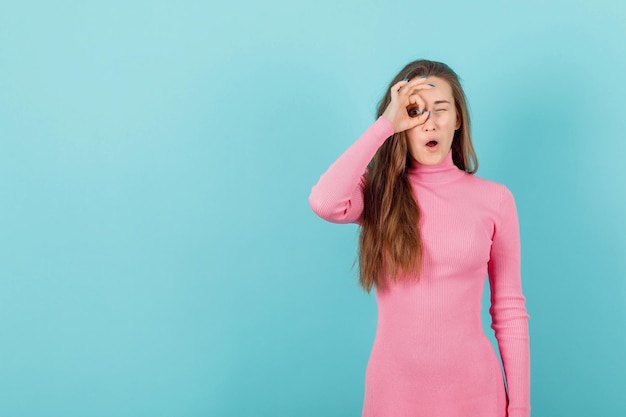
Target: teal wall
157,253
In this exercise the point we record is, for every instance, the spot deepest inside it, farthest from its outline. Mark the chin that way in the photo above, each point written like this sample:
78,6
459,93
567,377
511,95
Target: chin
431,159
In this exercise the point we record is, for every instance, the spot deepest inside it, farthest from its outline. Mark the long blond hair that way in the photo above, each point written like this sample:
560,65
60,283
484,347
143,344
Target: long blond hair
390,242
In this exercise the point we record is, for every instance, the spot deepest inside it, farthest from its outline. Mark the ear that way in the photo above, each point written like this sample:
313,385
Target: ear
458,122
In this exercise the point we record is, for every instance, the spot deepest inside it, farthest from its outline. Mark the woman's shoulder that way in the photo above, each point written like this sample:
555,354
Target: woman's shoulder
484,182
487,189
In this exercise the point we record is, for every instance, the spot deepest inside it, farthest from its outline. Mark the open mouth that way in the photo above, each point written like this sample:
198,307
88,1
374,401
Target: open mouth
432,143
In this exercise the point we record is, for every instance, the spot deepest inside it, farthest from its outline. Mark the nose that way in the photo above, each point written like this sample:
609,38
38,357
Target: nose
429,124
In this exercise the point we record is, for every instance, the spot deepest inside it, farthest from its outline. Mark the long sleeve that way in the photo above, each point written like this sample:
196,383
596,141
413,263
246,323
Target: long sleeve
508,311
338,196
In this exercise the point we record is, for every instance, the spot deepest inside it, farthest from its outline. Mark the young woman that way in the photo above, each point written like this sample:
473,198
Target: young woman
431,232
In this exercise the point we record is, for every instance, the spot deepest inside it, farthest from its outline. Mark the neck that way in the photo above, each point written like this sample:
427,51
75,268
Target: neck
444,171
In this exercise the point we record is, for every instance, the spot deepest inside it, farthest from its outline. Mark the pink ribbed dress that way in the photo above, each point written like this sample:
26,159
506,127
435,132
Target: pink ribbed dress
431,357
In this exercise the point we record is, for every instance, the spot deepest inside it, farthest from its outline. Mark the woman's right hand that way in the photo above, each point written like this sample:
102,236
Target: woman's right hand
405,96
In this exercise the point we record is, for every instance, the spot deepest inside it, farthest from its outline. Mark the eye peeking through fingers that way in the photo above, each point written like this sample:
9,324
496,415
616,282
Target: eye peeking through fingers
413,111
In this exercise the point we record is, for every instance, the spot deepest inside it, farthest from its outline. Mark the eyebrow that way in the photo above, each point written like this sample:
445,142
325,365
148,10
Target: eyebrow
441,102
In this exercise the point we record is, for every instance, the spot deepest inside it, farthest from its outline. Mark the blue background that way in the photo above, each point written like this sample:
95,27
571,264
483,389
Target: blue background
157,253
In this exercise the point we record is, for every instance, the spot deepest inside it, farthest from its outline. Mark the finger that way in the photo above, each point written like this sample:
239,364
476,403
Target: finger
410,90
424,117
412,82
419,119
411,94
418,81
415,100
412,122
395,89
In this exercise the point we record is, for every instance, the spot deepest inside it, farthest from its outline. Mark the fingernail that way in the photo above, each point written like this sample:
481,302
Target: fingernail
432,85
423,111
424,76
406,79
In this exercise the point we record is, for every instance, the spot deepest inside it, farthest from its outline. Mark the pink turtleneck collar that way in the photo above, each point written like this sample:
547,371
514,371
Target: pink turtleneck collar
445,171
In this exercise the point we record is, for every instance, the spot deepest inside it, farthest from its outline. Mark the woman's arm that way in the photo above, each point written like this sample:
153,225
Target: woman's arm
508,310
338,195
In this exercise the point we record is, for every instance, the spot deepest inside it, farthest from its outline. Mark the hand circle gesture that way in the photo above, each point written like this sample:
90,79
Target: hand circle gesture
407,108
